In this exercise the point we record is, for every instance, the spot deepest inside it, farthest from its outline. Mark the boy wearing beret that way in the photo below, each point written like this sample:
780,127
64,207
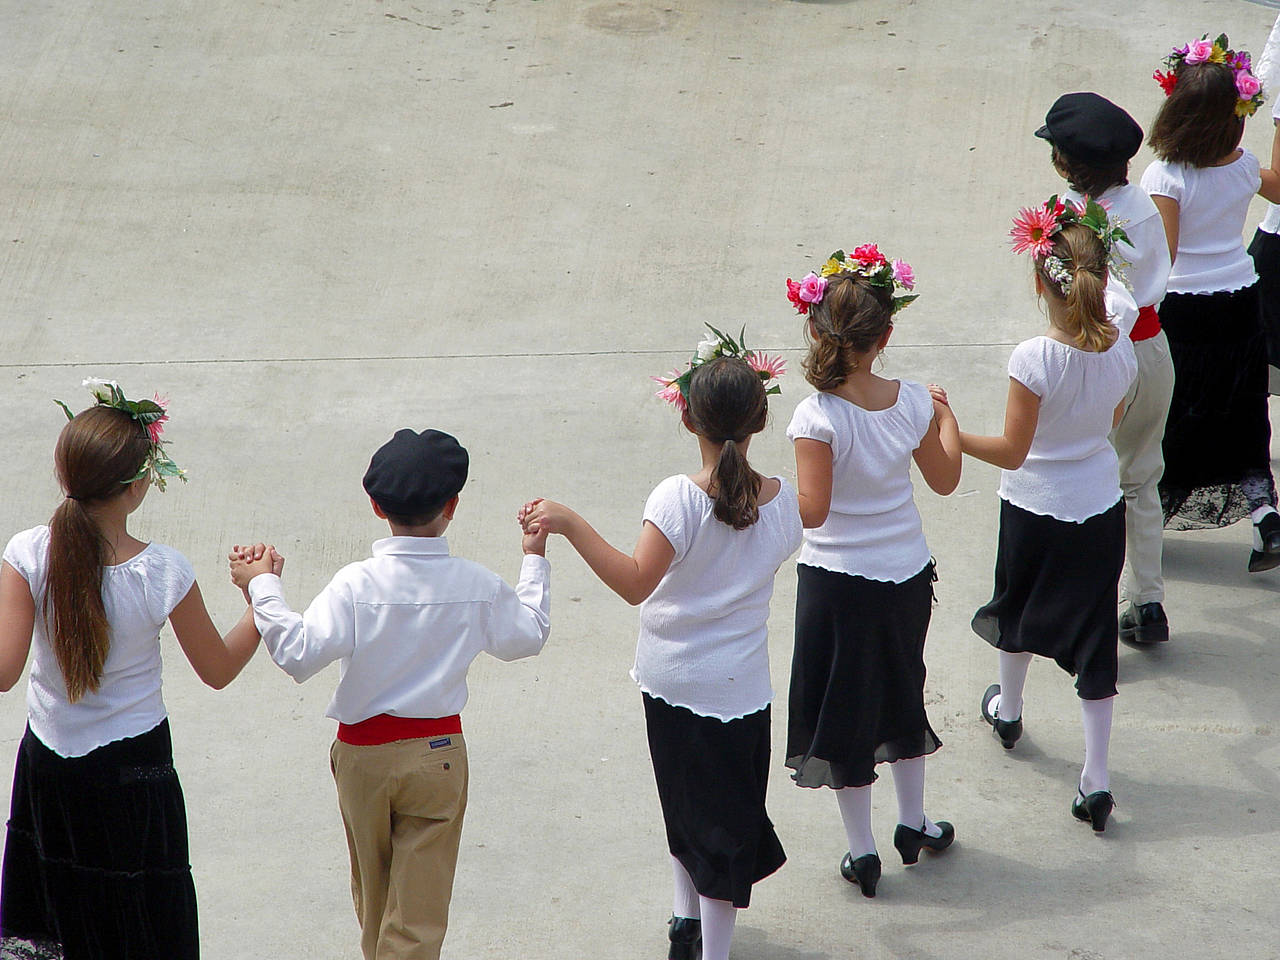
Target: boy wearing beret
405,624
1093,141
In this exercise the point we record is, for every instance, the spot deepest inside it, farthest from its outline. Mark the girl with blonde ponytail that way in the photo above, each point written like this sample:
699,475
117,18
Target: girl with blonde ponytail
96,856
703,572
1061,542
864,591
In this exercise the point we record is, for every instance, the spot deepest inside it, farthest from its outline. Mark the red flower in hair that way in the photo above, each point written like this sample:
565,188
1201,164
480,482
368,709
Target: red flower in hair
793,294
869,254
1167,81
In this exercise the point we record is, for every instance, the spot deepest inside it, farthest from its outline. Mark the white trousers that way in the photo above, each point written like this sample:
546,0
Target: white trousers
1137,441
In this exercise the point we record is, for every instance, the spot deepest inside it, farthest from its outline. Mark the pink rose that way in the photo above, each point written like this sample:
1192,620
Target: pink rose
812,288
903,274
1198,51
869,254
1248,85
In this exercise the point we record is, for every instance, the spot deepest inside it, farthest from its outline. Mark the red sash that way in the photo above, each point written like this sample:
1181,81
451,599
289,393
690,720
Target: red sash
384,728
1148,325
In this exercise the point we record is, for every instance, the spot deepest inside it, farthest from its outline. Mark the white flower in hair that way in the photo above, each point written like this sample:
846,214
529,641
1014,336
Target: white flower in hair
104,391
708,348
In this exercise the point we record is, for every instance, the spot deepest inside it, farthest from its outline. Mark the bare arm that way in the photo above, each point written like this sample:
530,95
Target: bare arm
1008,450
1270,189
939,455
17,620
632,577
1118,415
1169,213
216,659
813,481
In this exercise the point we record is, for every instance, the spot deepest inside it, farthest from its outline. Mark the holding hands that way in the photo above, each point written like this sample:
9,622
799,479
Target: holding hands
247,562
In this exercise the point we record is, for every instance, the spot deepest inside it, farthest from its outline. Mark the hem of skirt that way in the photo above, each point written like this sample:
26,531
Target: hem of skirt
740,902
797,762
698,711
18,947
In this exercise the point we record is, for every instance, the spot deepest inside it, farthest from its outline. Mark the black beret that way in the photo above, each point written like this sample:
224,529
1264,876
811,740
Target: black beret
1091,129
416,473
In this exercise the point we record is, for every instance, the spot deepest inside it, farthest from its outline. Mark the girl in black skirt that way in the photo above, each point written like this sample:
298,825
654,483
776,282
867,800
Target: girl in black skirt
95,859
865,588
1061,540
703,572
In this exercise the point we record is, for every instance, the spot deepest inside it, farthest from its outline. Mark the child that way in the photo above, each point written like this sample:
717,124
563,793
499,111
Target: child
1217,444
1093,141
96,861
1061,540
1265,248
703,572
405,625
865,588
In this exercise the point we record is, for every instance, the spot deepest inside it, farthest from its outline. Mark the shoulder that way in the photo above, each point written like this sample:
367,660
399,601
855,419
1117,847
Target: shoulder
916,400
1130,204
1030,361
28,551
163,564
1161,177
812,418
1249,163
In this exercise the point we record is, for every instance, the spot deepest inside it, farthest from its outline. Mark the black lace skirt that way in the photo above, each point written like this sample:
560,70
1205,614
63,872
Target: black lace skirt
712,777
1219,432
857,676
95,860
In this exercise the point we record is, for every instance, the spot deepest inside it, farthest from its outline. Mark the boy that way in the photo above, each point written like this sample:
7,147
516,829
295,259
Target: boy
406,625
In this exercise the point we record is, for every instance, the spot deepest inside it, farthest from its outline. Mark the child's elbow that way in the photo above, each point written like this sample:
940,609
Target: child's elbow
813,517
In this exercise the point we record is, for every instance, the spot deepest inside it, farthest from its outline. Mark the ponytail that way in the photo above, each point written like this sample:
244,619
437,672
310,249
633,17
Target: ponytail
849,320
727,404
735,487
1081,267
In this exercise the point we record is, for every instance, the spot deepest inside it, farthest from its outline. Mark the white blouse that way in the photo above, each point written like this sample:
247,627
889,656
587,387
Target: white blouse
1071,471
703,641
873,527
139,595
1212,205
1148,253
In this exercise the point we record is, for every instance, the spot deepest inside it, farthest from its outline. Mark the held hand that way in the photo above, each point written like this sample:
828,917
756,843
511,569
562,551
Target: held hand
547,516
943,413
277,561
939,394
534,543
522,515
244,567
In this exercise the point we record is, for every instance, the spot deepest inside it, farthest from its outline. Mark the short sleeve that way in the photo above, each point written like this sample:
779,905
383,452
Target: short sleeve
810,422
668,509
27,552
1164,180
1026,365
919,407
168,578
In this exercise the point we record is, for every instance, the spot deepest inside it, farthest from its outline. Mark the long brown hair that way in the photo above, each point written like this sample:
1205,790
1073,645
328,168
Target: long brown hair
727,404
849,320
1197,123
1085,258
98,453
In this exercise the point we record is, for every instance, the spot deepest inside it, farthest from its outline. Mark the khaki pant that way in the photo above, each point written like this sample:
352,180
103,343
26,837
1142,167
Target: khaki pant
1137,440
402,804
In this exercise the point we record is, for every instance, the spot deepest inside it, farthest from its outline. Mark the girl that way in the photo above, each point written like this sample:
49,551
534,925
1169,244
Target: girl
865,588
1061,540
1265,248
703,572
1217,444
95,860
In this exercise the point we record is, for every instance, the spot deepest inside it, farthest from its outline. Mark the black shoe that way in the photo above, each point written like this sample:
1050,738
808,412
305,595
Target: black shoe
1268,529
1094,809
909,842
865,872
685,934
1144,623
1006,731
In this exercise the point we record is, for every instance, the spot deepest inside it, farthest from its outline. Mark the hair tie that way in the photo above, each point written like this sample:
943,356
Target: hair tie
72,496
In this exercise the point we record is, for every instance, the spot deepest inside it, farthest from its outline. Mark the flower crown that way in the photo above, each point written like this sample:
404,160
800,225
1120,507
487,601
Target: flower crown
151,414
1035,227
1205,50
675,386
866,261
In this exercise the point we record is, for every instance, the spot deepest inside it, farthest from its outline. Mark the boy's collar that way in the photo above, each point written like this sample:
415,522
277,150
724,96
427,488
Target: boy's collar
412,546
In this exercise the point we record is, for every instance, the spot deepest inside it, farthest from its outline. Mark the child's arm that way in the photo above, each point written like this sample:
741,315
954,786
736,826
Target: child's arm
17,620
1008,450
1270,188
1170,213
217,660
939,456
519,620
813,480
633,577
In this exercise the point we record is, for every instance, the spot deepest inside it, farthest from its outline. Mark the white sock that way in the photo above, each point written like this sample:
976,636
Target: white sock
855,811
685,902
1013,677
1258,513
908,784
1096,715
718,918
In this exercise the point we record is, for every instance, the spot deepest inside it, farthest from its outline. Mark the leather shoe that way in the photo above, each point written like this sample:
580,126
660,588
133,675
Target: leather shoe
1006,731
1093,809
1144,623
1268,531
909,841
864,872
685,936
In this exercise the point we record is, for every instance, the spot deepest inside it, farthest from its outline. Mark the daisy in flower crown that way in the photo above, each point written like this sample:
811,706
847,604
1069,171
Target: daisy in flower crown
675,385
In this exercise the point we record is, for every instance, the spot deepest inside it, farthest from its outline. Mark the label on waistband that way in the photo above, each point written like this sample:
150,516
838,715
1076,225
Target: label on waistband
442,742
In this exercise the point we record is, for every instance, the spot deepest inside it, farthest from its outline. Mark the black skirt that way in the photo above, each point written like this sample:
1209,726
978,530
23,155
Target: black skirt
1056,592
1218,428
95,859
1265,250
712,776
857,676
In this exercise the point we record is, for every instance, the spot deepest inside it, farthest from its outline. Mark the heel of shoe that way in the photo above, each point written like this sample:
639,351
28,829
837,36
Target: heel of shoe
909,842
863,872
685,934
1094,809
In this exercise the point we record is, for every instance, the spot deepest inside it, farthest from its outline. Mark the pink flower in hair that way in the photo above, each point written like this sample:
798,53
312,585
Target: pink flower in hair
764,364
670,391
1247,85
793,294
1199,51
903,275
1033,230
812,288
156,427
869,254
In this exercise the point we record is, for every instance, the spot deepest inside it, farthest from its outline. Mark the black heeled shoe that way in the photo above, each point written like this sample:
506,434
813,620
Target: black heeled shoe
1093,809
685,934
865,872
909,842
1006,731
1268,557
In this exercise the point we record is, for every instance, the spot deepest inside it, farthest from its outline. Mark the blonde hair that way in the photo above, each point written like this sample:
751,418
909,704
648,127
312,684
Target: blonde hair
1085,258
849,320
